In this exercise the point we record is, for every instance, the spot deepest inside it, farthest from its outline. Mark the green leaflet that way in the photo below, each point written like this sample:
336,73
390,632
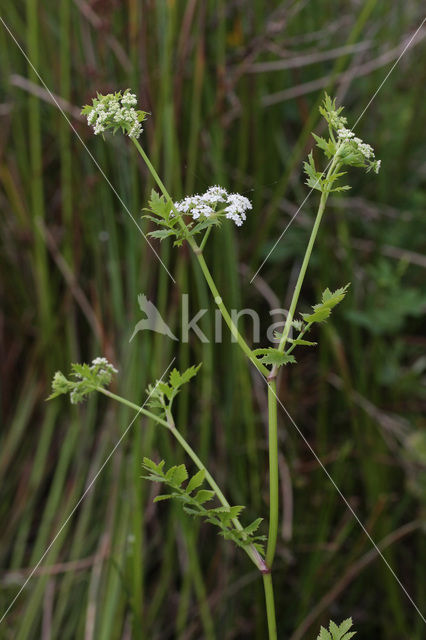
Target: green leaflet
161,233
328,146
161,213
178,379
337,632
273,356
175,476
203,495
161,394
315,178
159,206
304,343
328,301
319,180
318,316
196,481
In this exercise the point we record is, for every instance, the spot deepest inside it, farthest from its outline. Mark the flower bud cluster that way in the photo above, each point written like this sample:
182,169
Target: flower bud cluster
114,111
88,378
103,369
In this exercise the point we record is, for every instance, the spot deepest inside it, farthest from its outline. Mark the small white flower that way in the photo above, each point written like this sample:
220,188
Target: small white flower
366,150
215,194
104,365
135,131
98,129
344,134
185,205
202,210
129,99
91,117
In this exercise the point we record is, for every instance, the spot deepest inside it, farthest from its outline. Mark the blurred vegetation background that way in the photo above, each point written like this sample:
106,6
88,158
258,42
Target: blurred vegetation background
233,89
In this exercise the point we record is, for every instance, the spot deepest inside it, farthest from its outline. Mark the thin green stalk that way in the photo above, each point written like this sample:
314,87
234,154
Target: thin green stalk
303,268
204,240
300,336
273,472
251,551
132,405
152,170
218,300
270,606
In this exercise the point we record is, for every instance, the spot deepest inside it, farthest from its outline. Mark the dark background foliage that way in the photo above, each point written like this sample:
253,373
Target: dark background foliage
233,89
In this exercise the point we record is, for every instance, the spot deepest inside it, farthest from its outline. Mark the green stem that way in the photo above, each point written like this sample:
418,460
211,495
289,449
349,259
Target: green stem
134,406
273,472
299,337
204,240
302,272
152,170
251,551
270,606
224,311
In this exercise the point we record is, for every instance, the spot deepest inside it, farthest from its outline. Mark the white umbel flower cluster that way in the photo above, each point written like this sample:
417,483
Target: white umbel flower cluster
365,149
236,208
358,146
114,111
215,201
